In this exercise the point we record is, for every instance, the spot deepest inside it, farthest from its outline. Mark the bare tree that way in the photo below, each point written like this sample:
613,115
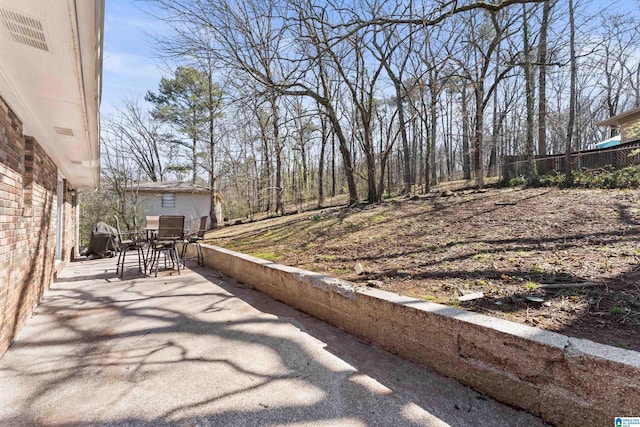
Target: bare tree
318,77
120,174
484,39
612,58
146,140
393,50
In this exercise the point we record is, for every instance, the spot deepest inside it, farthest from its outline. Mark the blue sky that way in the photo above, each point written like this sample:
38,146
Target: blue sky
131,66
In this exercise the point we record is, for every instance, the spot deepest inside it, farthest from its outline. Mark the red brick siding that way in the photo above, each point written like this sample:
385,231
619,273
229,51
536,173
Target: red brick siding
28,179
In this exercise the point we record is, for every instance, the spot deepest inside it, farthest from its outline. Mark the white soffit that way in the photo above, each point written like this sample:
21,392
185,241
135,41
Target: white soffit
50,75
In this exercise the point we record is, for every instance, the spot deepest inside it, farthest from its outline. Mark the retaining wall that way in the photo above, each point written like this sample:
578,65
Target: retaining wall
566,381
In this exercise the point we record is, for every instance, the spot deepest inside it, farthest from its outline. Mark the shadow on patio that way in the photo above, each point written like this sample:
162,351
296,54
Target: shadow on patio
200,349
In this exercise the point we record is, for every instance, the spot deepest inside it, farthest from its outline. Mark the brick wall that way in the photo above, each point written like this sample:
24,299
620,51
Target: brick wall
28,203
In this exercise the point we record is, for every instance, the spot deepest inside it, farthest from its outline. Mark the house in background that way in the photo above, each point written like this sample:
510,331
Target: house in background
628,123
50,74
177,198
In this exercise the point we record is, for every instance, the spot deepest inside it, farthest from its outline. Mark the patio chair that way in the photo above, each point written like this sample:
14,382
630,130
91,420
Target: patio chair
126,244
170,231
151,222
151,226
195,239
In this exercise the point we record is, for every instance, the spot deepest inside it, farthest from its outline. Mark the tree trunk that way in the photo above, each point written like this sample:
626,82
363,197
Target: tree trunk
323,144
266,175
343,146
370,159
493,155
466,160
212,153
194,159
403,135
418,135
572,99
275,117
542,86
478,134
531,171
432,133
449,137
333,164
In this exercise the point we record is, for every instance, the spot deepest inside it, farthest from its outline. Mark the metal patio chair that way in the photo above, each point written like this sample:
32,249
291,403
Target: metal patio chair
170,232
127,242
195,239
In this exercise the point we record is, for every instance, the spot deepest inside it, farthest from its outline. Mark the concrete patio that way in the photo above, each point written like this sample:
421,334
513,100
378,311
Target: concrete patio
200,349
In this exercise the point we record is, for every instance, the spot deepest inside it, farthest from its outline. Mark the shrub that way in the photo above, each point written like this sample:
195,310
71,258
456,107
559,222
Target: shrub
517,182
605,178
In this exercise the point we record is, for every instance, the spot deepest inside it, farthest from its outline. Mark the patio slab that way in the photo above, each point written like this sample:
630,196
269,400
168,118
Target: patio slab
200,349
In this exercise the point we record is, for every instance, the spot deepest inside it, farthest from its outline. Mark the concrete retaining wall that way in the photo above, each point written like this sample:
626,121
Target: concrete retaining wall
566,381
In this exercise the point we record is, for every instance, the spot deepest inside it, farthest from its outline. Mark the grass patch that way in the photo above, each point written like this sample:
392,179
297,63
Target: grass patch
379,218
341,270
326,257
532,286
477,245
266,255
482,257
616,310
315,217
536,269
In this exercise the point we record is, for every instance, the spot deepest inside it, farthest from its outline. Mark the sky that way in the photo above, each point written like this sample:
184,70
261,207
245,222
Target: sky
131,65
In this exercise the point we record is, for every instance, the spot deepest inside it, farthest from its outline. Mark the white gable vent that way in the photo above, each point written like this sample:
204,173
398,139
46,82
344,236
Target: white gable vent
24,29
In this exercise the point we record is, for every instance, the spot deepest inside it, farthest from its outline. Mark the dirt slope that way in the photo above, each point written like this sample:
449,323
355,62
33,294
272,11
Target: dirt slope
561,260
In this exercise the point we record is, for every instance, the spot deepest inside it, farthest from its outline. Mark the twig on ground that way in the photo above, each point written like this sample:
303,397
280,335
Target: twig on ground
625,316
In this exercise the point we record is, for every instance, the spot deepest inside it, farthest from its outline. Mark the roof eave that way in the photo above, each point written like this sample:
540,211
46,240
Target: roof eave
615,120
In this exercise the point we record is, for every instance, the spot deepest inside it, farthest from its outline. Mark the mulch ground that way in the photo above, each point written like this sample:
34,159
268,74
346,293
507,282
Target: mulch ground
561,260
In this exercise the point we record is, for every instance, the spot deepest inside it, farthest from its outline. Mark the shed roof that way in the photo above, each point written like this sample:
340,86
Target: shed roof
617,119
171,187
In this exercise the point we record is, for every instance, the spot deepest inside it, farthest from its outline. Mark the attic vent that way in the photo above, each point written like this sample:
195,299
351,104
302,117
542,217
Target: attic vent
24,29
63,131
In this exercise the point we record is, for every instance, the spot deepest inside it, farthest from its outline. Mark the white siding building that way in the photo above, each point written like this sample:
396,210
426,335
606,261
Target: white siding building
176,198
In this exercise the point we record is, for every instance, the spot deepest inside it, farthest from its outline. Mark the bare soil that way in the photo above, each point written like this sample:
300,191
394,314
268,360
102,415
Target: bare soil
561,260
